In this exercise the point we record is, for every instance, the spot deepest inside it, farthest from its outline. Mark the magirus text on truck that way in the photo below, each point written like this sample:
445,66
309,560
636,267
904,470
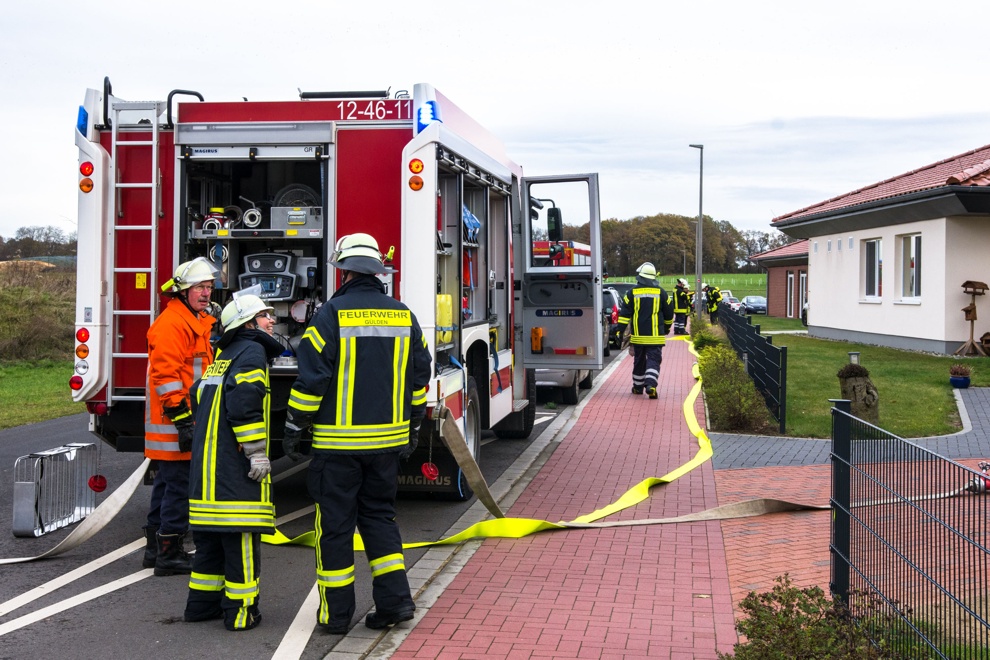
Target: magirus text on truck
263,190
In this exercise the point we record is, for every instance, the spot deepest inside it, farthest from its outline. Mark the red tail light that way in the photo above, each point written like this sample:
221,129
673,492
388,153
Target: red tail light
76,382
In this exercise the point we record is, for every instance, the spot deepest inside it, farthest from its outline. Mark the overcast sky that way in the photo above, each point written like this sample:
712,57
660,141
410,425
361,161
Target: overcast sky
795,102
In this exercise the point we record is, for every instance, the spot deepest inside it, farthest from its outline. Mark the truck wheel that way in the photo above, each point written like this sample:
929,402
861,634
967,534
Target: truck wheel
472,422
570,392
527,414
588,380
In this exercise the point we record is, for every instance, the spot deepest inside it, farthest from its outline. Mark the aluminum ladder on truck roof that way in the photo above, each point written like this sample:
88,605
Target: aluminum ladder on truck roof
141,114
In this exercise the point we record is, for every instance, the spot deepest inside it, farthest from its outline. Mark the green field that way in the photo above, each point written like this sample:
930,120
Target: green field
741,284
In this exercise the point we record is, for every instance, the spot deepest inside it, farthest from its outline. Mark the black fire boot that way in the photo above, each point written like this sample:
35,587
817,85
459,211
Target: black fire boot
151,547
172,559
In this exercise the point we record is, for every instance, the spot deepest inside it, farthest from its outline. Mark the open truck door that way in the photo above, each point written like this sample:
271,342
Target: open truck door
561,265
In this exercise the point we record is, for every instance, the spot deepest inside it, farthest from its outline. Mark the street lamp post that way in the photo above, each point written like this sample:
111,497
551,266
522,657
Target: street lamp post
697,247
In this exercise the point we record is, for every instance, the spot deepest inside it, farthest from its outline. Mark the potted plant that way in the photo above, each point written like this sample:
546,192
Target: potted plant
959,375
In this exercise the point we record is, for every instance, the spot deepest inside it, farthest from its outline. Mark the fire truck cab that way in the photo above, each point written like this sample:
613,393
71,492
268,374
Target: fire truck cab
265,189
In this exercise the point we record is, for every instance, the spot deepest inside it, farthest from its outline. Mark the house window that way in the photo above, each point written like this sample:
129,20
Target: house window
838,245
850,242
911,266
816,247
873,269
829,248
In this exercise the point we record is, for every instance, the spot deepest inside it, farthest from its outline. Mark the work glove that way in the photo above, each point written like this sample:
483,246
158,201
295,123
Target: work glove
292,436
260,465
182,418
187,429
411,445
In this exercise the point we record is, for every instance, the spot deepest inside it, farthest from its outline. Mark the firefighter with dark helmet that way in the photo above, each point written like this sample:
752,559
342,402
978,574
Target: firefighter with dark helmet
179,351
364,367
230,499
682,306
647,310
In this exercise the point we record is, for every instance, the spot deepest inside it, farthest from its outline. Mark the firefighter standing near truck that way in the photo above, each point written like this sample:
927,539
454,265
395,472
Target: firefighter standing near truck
682,305
230,498
713,298
179,351
364,367
648,311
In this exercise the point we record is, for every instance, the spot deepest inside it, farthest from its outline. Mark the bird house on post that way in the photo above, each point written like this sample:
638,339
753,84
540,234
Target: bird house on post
972,347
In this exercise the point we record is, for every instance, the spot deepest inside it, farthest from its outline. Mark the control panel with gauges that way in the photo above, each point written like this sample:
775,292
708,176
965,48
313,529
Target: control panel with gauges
272,271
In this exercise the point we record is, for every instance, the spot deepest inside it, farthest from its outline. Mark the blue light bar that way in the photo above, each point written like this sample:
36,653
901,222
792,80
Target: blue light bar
426,114
82,121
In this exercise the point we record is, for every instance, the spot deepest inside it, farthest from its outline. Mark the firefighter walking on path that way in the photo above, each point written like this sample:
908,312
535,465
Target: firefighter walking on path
179,351
682,305
714,297
230,499
364,368
648,311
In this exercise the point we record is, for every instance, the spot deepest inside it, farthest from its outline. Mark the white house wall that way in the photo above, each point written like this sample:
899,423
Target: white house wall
950,247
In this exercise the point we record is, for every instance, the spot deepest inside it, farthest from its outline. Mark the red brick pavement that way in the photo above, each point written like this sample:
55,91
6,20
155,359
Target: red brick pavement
659,591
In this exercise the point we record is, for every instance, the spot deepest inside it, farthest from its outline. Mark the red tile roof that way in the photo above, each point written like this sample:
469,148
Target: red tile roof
969,169
797,248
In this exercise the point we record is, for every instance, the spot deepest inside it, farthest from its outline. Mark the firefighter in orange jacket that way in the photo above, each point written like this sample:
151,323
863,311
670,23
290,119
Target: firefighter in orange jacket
364,367
179,351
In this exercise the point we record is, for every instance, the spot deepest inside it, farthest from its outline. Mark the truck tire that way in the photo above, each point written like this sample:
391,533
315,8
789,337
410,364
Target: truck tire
527,414
570,392
588,380
462,491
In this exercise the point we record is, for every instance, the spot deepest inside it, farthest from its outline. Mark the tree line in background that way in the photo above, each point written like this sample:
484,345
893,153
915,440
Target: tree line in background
37,242
666,240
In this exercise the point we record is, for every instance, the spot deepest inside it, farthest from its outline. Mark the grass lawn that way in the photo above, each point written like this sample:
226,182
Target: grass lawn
916,399
35,392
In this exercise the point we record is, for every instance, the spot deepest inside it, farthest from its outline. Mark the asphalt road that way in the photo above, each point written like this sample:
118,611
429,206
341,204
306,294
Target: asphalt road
56,607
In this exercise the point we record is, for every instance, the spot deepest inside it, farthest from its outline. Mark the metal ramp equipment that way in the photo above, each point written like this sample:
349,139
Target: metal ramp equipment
51,488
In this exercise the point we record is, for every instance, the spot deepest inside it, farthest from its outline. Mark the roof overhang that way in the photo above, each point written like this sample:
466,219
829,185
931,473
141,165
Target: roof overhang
923,205
789,260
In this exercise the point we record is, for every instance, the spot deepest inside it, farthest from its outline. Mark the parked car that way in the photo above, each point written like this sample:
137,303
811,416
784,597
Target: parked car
622,288
567,380
753,305
732,302
611,304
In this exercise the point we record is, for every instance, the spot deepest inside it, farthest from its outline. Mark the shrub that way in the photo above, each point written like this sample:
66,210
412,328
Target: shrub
733,402
40,304
786,623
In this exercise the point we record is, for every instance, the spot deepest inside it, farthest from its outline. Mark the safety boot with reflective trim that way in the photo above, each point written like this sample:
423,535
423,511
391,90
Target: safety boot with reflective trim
637,390
172,559
651,392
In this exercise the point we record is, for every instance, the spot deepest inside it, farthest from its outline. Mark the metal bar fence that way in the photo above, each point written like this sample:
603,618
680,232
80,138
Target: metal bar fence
909,543
51,488
765,363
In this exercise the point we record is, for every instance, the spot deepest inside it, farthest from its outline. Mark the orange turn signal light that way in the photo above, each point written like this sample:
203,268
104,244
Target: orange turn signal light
82,351
86,185
416,166
416,182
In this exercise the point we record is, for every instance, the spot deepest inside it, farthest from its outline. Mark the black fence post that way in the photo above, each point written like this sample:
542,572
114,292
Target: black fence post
841,461
782,379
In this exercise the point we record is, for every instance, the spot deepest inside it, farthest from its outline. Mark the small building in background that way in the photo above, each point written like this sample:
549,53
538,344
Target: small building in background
787,278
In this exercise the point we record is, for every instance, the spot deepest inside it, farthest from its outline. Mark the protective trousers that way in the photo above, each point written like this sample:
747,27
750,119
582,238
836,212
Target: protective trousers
646,364
356,490
169,510
225,578
680,323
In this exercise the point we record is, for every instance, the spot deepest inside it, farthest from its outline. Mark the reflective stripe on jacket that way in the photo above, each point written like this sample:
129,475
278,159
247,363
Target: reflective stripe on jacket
363,370
714,298
231,406
682,304
179,351
647,309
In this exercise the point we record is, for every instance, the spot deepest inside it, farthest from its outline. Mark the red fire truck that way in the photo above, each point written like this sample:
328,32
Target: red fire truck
264,189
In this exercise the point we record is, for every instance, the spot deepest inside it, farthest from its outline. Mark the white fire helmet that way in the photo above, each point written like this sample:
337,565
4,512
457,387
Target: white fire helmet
683,282
190,273
647,270
242,309
359,253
